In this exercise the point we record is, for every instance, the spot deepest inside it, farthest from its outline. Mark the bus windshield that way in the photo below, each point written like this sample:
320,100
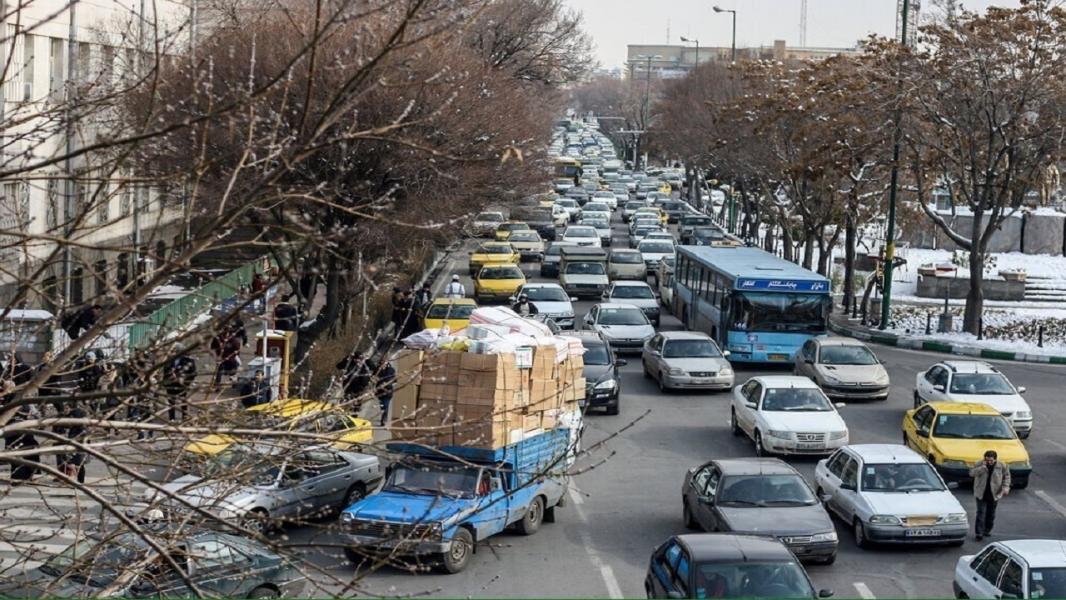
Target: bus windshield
771,311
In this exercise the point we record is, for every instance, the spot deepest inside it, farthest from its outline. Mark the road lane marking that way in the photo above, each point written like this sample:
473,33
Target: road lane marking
606,572
864,592
1051,502
576,497
1054,443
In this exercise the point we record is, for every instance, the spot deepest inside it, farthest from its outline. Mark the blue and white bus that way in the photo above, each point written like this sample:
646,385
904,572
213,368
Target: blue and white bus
759,307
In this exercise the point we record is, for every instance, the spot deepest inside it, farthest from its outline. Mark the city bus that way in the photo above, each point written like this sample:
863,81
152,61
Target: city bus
759,307
569,167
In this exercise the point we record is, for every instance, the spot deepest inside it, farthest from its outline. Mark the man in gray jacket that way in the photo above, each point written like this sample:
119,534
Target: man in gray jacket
991,481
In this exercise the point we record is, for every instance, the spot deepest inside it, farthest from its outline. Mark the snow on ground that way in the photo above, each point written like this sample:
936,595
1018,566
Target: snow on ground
1038,265
1014,329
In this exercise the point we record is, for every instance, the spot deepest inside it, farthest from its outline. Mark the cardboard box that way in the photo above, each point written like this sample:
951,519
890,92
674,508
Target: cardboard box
447,392
487,362
404,403
544,362
442,364
574,391
542,390
531,422
408,365
497,380
483,432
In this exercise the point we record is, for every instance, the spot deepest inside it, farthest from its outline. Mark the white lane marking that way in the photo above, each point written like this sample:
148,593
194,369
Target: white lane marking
576,497
1054,443
606,572
1051,502
864,592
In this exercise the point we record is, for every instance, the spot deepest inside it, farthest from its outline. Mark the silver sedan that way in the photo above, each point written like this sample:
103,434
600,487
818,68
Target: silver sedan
686,360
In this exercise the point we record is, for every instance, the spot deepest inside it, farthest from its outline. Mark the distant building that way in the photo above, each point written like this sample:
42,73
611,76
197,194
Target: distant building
675,61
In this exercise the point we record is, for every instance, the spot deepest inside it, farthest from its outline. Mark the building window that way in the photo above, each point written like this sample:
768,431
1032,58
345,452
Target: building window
100,278
52,210
77,289
122,271
55,68
103,207
107,66
125,201
28,54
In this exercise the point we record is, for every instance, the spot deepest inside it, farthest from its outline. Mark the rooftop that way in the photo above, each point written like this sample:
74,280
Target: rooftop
885,453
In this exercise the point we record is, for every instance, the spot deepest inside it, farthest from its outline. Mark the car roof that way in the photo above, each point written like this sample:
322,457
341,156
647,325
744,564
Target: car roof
495,244
963,408
783,381
1039,553
969,366
630,284
624,251
617,305
463,301
726,546
541,285
838,341
885,453
754,466
684,335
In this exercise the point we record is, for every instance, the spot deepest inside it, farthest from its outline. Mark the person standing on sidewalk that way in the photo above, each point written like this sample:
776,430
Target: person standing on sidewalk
384,389
991,481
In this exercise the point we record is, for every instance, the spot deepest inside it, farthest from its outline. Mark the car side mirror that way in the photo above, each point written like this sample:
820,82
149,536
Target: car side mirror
825,593
839,404
621,362
573,298
1021,390
847,486
825,497
749,404
953,485
938,387
726,353
705,499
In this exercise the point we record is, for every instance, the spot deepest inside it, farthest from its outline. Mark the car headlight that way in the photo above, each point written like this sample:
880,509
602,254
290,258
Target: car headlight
830,379
829,536
954,464
609,384
838,435
726,371
885,520
1023,415
677,371
955,518
1019,464
567,315
347,517
784,435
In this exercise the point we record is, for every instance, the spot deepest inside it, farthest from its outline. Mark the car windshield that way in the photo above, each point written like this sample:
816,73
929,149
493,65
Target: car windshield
634,205
985,384
450,311
585,268
627,258
751,580
973,427
494,250
765,490
553,250
514,227
500,273
597,223
235,458
430,479
640,292
622,316
580,232
523,236
596,354
1047,583
597,207
846,355
771,311
546,294
95,563
795,400
656,247
694,221
690,349
566,203
896,477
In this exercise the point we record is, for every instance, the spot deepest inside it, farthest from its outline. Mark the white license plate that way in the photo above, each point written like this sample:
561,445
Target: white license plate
701,380
921,533
810,445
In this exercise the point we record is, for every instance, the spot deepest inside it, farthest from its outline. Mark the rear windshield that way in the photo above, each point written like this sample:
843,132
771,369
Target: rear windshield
450,311
494,250
656,247
501,273
627,258
584,268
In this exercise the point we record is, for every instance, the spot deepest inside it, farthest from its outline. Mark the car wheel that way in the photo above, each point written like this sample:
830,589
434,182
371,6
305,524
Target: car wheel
961,595
860,535
686,515
612,409
662,384
256,520
354,494
534,516
457,555
734,425
264,592
760,451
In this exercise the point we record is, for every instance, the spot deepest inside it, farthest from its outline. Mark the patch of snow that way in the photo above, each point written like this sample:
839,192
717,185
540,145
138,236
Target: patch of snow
1016,329
27,314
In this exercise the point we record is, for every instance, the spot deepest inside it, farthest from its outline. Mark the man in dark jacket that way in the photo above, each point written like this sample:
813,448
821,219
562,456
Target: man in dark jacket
89,373
991,481
384,389
357,370
524,307
178,377
81,321
257,391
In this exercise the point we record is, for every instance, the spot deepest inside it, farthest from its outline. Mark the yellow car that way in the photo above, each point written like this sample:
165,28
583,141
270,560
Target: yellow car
505,229
527,244
453,312
498,282
664,219
955,435
307,416
665,188
492,253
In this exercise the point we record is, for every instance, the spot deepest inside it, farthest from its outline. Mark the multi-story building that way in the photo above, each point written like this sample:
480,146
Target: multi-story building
670,61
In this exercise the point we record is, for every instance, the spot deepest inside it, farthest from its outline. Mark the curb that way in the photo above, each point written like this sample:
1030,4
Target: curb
888,339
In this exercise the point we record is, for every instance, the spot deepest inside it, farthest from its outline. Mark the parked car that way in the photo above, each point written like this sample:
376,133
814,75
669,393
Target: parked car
787,415
843,367
603,382
759,496
718,565
625,327
551,301
484,224
890,493
624,264
686,360
581,235
955,435
1013,569
974,381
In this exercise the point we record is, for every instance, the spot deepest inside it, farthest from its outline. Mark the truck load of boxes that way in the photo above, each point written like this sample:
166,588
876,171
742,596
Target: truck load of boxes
492,384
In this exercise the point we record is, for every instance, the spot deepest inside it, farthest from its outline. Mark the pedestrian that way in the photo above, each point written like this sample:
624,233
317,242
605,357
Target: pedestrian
385,387
356,370
238,330
90,372
257,391
424,296
411,324
455,289
53,386
991,481
285,316
178,377
72,464
140,377
227,349
398,316
77,322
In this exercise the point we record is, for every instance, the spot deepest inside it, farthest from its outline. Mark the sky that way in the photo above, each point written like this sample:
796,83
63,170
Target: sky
830,23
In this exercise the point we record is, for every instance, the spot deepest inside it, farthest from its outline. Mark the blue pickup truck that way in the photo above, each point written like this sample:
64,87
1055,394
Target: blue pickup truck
440,502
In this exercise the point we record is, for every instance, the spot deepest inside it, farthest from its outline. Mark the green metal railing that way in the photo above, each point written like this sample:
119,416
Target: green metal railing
181,311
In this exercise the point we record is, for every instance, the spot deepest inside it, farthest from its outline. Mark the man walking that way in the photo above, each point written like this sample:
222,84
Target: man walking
991,481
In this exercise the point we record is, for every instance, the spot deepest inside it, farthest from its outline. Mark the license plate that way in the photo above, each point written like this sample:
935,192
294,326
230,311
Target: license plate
777,356
700,381
810,445
921,532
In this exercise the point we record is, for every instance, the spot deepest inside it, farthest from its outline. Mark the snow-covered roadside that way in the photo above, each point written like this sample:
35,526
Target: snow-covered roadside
1014,330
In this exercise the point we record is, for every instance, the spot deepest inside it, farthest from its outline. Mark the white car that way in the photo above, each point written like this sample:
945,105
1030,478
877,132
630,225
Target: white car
485,224
890,493
787,415
686,360
665,236
624,326
1013,569
636,293
654,251
582,235
560,216
573,209
606,197
974,381
601,225
551,301
563,184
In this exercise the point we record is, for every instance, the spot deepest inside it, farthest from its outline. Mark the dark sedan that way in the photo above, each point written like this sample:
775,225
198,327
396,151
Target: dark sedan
717,565
603,383
762,496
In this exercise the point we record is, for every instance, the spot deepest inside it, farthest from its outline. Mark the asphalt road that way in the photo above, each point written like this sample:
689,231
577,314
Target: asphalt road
626,494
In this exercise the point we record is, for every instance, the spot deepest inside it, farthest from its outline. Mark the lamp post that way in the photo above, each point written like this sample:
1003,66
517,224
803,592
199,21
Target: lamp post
697,42
647,92
733,45
890,230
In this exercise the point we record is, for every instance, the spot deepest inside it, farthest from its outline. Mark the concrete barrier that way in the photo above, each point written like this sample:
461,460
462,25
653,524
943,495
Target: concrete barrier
1032,233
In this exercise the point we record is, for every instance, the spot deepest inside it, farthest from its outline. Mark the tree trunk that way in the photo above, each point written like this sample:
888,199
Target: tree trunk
850,233
325,317
808,251
786,241
768,241
975,298
825,262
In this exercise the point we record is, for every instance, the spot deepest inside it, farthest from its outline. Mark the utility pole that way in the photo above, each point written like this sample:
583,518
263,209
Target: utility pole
647,95
70,200
890,231
697,42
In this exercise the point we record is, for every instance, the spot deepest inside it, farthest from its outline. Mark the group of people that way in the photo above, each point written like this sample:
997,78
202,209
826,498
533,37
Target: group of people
409,308
360,375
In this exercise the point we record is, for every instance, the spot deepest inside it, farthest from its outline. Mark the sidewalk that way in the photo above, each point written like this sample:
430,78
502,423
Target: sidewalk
844,325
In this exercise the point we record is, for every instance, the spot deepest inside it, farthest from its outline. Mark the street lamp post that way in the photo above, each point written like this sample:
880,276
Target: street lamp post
647,92
890,233
733,45
697,42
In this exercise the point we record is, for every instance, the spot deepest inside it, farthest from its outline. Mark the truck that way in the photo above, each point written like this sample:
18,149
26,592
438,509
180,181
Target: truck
440,502
583,271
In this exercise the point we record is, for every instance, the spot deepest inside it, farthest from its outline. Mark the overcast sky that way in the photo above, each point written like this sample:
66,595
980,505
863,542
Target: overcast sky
831,23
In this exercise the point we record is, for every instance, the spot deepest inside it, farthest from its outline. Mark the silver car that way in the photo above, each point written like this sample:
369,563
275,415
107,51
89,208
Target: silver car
624,326
626,264
843,367
637,293
686,360
271,488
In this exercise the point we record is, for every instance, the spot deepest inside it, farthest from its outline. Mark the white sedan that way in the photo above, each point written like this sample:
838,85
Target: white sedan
787,415
1013,569
582,235
974,381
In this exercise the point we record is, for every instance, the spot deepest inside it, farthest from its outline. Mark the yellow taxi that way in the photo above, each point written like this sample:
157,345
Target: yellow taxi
453,312
292,414
665,188
653,210
493,253
498,282
528,244
505,229
547,200
955,435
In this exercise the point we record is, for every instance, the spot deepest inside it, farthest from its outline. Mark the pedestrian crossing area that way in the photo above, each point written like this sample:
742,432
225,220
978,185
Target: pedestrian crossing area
41,519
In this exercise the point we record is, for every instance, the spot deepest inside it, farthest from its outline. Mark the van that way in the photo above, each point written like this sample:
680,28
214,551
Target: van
583,271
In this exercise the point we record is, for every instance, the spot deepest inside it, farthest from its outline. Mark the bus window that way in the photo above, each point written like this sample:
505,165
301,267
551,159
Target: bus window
755,311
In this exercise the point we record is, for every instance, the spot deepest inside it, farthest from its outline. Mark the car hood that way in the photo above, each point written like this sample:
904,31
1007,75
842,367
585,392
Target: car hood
855,373
554,308
1003,403
627,332
813,422
784,520
972,451
913,503
655,255
220,494
638,302
398,507
597,373
35,583
697,364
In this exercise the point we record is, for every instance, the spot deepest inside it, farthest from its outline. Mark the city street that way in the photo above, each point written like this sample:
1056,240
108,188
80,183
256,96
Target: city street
626,493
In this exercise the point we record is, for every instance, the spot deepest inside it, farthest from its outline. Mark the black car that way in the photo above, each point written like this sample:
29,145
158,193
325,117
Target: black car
604,385
705,236
549,263
673,209
691,221
718,565
579,194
